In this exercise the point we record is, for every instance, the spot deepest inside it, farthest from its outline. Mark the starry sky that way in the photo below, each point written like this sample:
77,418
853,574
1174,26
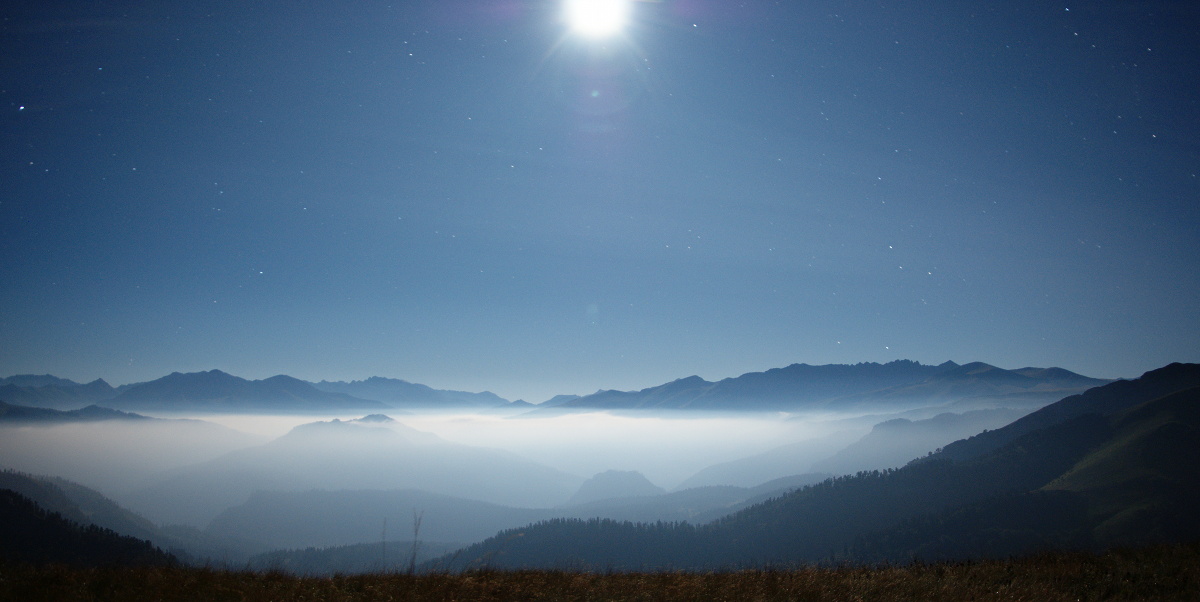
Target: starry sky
471,195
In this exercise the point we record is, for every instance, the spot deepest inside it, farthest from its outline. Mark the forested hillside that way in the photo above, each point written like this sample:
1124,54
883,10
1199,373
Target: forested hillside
1105,468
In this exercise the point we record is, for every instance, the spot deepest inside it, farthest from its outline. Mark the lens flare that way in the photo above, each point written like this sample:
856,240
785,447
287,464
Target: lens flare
596,18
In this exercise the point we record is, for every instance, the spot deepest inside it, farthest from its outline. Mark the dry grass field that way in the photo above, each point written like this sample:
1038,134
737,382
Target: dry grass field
1154,573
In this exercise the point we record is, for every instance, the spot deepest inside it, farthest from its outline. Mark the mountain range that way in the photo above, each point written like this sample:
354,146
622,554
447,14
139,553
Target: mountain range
864,386
798,387
14,414
53,392
216,391
403,394
1112,466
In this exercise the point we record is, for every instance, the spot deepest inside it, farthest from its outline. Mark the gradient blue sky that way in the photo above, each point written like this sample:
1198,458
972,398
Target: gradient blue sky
462,194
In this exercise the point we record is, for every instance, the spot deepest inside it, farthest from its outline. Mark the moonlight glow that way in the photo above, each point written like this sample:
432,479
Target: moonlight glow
596,18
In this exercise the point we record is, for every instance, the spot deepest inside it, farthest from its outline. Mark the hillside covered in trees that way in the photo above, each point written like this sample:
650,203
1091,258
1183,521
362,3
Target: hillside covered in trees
1112,466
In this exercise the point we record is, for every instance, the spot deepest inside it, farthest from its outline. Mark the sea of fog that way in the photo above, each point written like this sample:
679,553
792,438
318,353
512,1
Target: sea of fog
665,448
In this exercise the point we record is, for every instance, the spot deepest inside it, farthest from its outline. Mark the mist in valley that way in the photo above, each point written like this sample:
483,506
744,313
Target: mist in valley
254,483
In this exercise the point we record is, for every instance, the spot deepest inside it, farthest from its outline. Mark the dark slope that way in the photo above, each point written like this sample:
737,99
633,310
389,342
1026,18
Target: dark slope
1139,485
89,508
216,391
29,533
1105,400
84,509
77,503
1144,484
1108,469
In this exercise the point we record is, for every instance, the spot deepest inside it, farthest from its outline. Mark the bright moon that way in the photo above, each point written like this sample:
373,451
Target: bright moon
596,18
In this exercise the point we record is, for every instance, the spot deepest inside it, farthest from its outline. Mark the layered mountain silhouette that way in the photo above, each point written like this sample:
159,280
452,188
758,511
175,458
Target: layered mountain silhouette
48,391
892,443
798,387
49,519
1112,466
30,534
370,453
216,391
403,394
840,386
10,413
324,518
108,448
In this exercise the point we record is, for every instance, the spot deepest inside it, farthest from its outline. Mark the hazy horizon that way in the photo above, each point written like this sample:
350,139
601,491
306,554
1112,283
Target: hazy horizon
541,397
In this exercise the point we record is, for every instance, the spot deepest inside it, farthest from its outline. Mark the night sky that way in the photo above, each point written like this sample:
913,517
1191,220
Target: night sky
472,195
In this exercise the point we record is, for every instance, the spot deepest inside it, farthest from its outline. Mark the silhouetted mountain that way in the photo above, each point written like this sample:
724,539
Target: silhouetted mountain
353,455
37,380
614,484
91,510
1104,400
1142,484
216,391
403,394
557,400
14,413
1137,486
840,386
53,392
1100,469
77,503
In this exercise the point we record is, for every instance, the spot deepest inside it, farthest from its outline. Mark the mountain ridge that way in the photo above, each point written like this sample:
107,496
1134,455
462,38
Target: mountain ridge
215,390
1108,467
799,387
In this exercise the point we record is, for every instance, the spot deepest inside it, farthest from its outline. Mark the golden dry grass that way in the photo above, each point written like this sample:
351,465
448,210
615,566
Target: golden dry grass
1155,573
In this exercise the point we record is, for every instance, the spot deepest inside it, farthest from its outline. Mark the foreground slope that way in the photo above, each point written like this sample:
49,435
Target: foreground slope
31,534
92,510
1155,573
1108,460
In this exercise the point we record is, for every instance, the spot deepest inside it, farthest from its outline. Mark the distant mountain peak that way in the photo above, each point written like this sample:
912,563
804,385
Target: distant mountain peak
802,386
612,484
